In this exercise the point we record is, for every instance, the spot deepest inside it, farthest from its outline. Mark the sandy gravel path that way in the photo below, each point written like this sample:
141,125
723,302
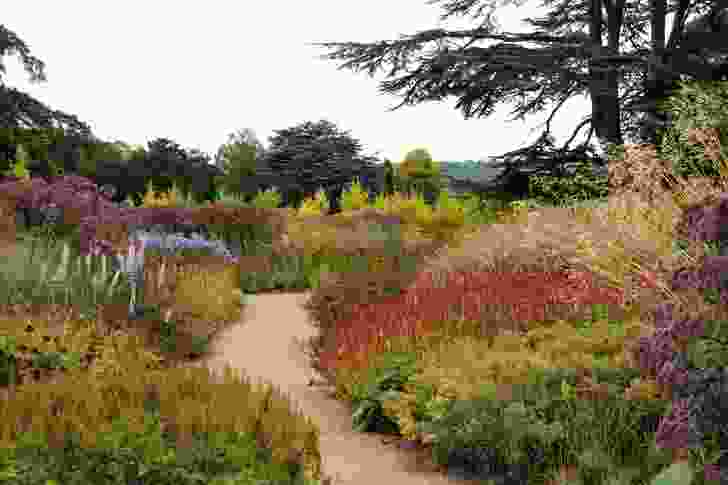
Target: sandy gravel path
265,346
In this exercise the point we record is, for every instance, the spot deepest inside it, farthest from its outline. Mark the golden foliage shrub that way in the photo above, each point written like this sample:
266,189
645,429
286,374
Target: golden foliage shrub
314,206
152,199
355,198
203,287
463,366
101,349
190,400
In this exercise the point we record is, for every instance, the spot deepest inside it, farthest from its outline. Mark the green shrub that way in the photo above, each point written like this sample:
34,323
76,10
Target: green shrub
696,105
269,199
583,185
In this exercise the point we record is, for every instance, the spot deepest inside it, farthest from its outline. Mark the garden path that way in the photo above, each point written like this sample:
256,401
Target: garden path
266,345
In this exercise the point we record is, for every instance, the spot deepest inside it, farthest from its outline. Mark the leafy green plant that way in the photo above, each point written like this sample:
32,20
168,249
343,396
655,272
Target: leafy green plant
317,205
583,185
168,334
56,360
20,166
314,276
483,434
7,360
383,382
354,198
150,456
676,474
59,271
269,199
695,105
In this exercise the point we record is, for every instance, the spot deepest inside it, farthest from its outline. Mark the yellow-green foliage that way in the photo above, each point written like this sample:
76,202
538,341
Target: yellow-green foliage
450,209
192,398
462,365
448,218
565,345
207,293
418,171
414,209
34,333
120,354
314,236
269,198
445,222
314,206
152,199
82,338
415,212
401,410
19,169
173,197
465,367
354,198
318,236
643,389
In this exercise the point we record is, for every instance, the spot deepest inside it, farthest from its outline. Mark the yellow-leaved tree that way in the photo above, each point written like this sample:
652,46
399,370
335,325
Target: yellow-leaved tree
419,174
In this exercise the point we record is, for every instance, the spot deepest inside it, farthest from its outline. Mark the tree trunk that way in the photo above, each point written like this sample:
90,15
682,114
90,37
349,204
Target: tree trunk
604,82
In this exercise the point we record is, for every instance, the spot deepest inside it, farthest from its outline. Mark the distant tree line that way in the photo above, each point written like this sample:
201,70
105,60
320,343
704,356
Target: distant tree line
589,47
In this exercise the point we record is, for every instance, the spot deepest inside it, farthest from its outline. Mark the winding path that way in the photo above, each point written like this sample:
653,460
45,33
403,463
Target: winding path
266,345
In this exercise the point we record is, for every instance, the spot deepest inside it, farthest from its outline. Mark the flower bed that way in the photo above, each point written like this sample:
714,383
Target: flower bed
527,348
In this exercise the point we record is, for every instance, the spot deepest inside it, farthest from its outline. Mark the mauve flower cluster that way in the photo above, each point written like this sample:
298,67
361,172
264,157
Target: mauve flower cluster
656,353
675,430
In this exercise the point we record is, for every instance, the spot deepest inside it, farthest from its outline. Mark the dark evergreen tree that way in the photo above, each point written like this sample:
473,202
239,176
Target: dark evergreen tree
571,39
388,178
18,109
200,177
302,159
51,137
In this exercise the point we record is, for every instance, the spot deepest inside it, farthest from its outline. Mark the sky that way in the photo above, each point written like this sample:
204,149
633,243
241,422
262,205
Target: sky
195,72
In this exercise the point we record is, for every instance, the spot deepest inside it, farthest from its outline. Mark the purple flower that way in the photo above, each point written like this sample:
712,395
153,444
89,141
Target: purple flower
712,473
674,431
669,375
688,328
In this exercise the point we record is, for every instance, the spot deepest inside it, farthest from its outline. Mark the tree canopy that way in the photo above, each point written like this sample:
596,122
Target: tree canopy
246,136
570,58
239,158
419,172
314,155
57,142
18,109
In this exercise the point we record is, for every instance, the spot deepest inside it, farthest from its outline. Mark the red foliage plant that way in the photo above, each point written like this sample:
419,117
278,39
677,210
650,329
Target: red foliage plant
466,296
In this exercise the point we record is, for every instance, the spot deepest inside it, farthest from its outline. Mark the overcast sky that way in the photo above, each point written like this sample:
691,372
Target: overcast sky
196,71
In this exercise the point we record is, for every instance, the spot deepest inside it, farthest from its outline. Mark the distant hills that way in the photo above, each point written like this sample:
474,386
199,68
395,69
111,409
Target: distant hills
482,171
468,170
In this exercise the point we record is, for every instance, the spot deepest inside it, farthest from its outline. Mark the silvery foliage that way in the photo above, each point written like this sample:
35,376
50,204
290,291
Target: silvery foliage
133,265
171,241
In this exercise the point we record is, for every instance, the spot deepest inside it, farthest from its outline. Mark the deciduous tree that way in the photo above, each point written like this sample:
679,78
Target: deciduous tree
419,172
238,159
